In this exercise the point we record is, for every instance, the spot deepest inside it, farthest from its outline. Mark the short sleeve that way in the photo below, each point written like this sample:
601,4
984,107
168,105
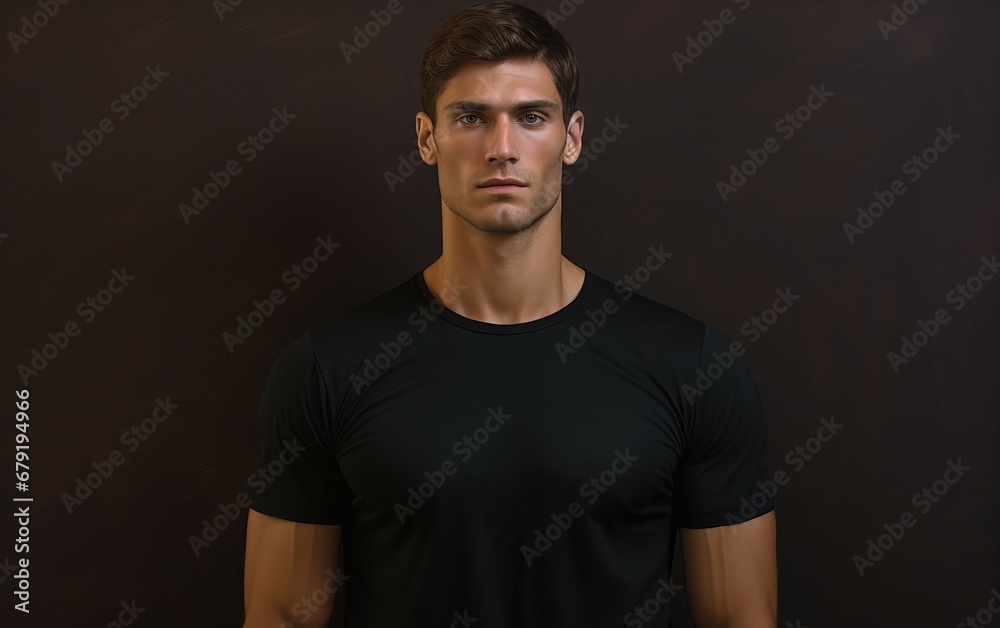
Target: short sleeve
297,475
722,477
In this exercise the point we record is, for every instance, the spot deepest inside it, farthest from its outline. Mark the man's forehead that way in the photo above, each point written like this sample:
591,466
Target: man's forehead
478,81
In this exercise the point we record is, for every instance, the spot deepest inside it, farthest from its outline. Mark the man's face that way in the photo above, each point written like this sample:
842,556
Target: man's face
500,120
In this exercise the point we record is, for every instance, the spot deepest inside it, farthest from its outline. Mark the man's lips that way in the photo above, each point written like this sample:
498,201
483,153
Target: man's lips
502,181
502,189
502,186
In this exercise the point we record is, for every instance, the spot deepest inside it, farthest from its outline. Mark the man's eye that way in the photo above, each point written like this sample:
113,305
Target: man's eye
536,119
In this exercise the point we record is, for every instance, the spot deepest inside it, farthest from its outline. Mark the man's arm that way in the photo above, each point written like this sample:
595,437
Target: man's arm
285,562
731,574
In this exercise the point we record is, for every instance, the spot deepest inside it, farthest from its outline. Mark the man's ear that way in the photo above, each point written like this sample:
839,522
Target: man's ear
574,138
425,139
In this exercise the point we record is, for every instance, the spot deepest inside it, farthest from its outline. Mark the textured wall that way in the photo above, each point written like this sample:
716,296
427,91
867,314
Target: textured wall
168,283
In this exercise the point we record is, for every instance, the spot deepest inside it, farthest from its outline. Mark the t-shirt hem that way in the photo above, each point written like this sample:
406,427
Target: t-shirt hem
721,517
301,513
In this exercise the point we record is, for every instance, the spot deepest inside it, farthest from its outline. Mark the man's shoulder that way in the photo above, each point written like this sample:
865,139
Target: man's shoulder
645,315
381,317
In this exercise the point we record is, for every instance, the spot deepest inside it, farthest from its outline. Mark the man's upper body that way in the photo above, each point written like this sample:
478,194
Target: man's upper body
506,436
527,474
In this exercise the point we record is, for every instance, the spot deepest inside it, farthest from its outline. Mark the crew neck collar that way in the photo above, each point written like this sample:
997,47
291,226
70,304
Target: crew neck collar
441,310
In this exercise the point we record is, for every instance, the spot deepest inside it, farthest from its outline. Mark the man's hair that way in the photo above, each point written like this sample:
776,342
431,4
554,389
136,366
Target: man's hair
495,32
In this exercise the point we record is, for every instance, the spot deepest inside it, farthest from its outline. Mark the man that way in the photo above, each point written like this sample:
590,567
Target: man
507,439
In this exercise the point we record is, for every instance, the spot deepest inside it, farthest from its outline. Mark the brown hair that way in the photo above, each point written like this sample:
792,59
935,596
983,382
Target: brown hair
495,32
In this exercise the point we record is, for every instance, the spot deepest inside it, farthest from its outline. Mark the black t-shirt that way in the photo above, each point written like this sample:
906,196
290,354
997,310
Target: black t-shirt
528,475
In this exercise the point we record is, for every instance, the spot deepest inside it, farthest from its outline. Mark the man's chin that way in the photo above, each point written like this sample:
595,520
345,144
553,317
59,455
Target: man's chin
500,221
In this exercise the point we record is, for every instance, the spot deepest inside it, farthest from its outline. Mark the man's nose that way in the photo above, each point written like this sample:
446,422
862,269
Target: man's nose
501,140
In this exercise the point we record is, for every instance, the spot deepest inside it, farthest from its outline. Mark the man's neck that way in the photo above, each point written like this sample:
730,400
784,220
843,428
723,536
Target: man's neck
508,292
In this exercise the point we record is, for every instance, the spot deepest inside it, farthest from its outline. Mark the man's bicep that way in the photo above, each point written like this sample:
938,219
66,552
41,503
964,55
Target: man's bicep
286,562
731,574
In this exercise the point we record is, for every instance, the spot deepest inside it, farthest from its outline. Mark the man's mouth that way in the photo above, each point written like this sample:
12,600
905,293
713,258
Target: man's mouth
502,186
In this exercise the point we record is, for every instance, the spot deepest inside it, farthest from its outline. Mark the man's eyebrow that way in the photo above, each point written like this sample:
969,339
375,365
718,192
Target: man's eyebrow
470,105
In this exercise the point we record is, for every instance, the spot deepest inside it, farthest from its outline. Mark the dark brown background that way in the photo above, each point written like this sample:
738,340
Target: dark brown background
654,185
